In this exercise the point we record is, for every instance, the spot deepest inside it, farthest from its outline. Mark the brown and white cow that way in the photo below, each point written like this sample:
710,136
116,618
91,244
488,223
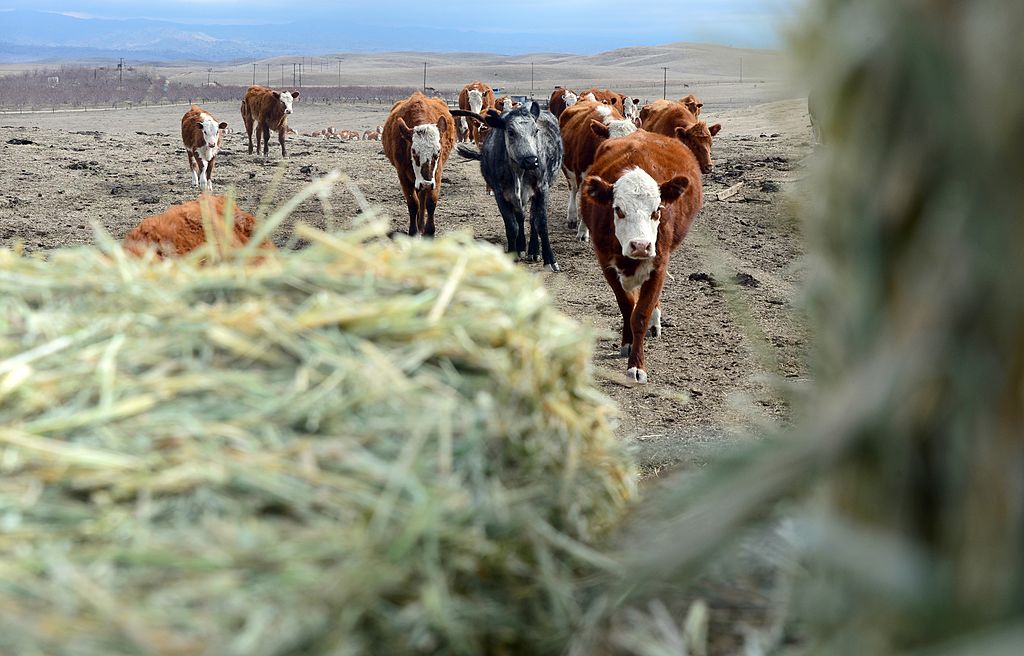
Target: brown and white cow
561,99
504,104
585,126
418,137
180,230
693,104
202,135
639,200
373,135
264,109
475,97
348,135
673,119
631,108
607,97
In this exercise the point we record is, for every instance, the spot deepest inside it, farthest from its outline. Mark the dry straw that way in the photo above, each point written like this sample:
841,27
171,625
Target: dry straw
366,447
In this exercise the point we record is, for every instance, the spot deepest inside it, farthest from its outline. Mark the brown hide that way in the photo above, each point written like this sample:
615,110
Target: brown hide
472,128
556,105
417,110
261,107
579,139
179,230
607,97
663,159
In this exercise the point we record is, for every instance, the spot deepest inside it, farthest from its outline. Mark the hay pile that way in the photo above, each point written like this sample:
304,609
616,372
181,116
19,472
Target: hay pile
365,447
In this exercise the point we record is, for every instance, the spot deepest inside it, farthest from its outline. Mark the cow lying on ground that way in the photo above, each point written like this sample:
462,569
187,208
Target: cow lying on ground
418,137
585,126
560,100
673,119
475,97
639,200
264,110
180,229
373,135
202,135
519,160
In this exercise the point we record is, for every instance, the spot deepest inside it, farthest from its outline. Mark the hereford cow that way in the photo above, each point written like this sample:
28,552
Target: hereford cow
475,97
585,126
520,160
180,230
639,200
418,138
607,97
673,119
693,104
504,104
348,135
202,135
560,100
264,110
631,108
373,135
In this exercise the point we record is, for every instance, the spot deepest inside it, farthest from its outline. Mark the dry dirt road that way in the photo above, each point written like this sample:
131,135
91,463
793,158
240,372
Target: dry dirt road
722,343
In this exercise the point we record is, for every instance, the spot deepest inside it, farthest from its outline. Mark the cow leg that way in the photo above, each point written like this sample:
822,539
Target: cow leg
655,328
428,203
209,174
508,215
412,203
571,212
650,297
626,303
280,137
266,140
525,195
248,129
539,221
202,174
192,168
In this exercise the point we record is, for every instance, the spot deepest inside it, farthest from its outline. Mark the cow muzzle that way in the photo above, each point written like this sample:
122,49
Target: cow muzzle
529,163
211,145
640,249
425,186
707,168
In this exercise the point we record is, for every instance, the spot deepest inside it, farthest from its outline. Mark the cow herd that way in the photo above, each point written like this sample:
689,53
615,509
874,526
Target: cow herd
634,177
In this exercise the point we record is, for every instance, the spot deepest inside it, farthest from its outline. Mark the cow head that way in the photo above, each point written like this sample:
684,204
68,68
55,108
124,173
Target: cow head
589,97
636,202
476,101
693,104
698,138
631,107
212,130
521,133
425,149
570,98
613,129
286,99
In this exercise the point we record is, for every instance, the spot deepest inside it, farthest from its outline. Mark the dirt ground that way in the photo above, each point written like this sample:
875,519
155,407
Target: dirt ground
723,343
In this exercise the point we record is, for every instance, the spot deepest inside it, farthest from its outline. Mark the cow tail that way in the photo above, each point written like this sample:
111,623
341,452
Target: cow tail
468,152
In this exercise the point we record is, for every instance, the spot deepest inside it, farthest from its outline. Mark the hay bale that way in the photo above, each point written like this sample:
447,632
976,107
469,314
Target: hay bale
364,447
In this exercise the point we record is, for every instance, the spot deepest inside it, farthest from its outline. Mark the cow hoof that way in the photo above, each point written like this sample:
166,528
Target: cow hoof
533,258
638,375
625,350
521,256
554,267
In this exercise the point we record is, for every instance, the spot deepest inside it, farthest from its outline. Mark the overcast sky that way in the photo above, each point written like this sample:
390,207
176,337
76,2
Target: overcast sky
742,23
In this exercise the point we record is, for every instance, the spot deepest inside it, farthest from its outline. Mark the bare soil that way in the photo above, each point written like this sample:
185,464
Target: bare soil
723,343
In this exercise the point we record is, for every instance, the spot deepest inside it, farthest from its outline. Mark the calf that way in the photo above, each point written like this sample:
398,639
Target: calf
418,137
475,97
519,160
202,135
639,200
631,108
561,99
180,230
585,126
264,110
673,119
373,135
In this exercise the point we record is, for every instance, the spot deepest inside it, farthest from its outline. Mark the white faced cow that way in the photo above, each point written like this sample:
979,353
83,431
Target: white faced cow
202,135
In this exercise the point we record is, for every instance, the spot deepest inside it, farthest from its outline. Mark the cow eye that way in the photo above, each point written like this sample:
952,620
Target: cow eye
620,213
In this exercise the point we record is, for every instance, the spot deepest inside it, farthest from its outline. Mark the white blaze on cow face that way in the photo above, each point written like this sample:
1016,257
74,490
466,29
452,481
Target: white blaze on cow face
426,151
476,101
286,100
211,132
590,97
570,98
637,208
621,128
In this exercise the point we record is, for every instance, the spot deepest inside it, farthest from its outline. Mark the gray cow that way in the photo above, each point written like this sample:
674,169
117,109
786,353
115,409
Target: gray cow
519,159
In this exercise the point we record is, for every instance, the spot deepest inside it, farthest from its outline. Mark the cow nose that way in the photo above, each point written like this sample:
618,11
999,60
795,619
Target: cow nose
287,111
530,163
639,248
708,168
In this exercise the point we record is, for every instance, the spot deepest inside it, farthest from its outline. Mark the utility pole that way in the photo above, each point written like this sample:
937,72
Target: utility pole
120,73
664,84
295,71
424,77
254,73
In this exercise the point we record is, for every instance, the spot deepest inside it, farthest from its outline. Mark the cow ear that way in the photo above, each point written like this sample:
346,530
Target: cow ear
493,119
600,191
295,95
442,124
715,129
674,188
404,130
613,101
535,110
277,94
222,126
636,101
600,129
